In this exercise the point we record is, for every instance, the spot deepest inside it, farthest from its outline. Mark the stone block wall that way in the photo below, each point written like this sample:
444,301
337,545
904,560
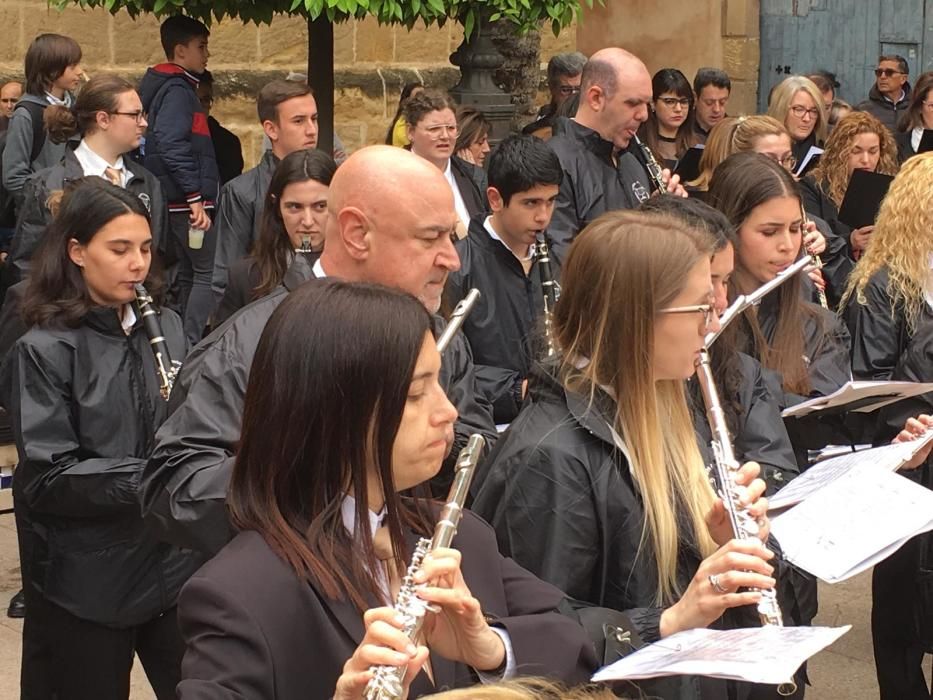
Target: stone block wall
372,61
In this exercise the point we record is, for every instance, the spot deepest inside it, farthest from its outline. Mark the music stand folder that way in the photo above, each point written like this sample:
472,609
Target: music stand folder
863,198
688,167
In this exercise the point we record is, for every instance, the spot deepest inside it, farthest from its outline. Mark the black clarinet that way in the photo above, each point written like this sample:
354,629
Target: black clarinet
652,166
166,367
549,286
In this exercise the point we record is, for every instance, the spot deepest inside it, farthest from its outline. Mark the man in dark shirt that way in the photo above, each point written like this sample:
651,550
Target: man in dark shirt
889,97
499,257
227,147
712,88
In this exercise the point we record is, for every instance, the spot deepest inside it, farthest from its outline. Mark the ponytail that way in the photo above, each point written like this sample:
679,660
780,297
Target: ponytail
61,122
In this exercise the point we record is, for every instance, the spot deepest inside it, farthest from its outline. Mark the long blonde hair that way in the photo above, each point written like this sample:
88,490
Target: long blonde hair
619,272
902,241
528,688
734,135
832,173
783,95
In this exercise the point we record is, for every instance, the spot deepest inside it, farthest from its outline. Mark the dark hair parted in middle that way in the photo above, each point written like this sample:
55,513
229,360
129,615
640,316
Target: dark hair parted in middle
274,250
57,292
519,163
47,58
100,94
325,399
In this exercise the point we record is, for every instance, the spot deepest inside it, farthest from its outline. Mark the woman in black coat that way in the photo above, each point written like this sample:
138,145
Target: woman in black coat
887,309
293,218
341,414
83,391
599,486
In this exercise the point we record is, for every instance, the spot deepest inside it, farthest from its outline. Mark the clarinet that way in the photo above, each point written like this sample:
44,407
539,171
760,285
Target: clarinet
725,466
457,317
166,367
652,166
549,286
387,681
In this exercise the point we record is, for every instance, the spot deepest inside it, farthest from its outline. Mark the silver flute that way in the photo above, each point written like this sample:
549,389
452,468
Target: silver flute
387,682
652,166
817,262
549,286
166,367
726,466
460,312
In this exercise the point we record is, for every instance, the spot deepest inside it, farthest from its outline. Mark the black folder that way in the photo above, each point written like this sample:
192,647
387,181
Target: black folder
926,141
688,167
863,198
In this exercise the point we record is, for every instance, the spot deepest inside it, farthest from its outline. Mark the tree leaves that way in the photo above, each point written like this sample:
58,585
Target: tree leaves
525,14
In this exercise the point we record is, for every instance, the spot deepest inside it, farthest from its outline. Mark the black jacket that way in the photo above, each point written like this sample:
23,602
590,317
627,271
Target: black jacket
34,215
227,149
178,149
559,494
281,638
85,405
472,183
242,279
887,112
760,435
503,327
800,149
239,215
185,481
818,203
592,184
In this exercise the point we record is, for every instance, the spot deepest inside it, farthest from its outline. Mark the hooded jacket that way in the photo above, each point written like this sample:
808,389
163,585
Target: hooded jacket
178,149
185,482
35,216
504,328
85,404
18,163
888,113
592,183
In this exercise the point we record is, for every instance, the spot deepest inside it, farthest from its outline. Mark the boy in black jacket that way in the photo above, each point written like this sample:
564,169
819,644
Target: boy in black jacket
180,153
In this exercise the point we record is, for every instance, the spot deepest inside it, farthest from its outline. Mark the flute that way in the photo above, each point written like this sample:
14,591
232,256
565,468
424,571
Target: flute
460,312
815,259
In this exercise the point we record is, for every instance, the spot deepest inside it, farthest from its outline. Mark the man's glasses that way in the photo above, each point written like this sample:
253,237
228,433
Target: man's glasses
799,112
887,72
672,102
709,313
138,116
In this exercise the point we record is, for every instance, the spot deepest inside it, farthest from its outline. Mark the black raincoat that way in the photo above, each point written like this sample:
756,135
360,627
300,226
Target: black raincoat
185,481
85,404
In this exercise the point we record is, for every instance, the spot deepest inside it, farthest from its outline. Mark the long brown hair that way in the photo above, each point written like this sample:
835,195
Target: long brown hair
641,260
326,394
913,117
832,172
274,249
100,94
740,184
56,292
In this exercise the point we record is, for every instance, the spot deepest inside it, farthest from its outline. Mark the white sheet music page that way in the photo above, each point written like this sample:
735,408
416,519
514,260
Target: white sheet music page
868,397
857,520
821,474
755,654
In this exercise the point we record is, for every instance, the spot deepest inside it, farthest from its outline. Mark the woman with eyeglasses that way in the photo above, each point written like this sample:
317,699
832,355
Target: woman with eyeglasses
859,142
432,130
804,343
797,103
108,116
598,486
919,116
293,217
669,132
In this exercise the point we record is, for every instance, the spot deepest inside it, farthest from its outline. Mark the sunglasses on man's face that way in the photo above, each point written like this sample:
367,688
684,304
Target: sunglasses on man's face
887,72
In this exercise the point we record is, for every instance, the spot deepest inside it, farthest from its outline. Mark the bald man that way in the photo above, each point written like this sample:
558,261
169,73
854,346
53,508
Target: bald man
9,95
390,220
603,168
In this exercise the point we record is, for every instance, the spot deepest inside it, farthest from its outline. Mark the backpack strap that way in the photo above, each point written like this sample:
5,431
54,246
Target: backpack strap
36,112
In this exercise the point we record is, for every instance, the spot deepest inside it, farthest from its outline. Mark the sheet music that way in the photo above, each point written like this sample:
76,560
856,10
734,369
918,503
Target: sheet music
854,522
755,654
811,154
886,457
852,392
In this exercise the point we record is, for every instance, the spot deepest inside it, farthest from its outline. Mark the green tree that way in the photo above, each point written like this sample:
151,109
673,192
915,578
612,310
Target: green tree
322,14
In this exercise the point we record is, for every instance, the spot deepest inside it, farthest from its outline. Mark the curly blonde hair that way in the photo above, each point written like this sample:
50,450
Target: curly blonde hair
832,173
902,241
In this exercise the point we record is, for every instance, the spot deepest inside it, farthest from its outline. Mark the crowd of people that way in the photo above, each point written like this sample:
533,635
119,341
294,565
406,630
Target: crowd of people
233,421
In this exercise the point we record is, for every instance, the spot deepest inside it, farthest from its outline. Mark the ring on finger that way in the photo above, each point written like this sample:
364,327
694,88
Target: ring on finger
716,584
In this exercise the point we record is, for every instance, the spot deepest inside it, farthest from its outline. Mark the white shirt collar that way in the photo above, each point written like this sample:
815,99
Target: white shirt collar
462,212
915,137
318,269
496,237
128,318
94,164
348,514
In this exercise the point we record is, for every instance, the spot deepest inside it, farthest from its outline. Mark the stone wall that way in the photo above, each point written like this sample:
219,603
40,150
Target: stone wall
372,61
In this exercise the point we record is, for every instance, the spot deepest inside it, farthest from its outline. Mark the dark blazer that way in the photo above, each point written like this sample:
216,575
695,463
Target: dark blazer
253,629
471,181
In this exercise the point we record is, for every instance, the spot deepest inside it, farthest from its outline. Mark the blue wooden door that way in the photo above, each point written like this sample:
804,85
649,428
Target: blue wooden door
844,36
